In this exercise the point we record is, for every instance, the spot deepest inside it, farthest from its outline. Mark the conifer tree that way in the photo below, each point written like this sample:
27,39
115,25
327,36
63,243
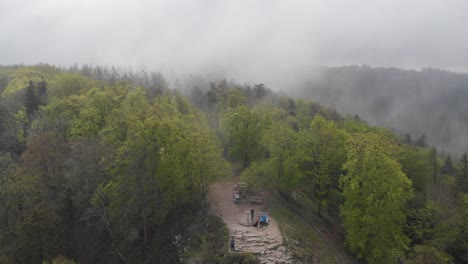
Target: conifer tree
31,100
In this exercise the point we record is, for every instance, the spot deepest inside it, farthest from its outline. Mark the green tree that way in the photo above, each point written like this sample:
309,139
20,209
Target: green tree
462,174
8,242
243,131
67,84
236,98
448,168
460,247
31,100
165,162
375,191
281,143
322,147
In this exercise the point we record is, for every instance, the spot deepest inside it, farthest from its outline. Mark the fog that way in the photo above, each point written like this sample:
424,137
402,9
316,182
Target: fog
270,41
283,44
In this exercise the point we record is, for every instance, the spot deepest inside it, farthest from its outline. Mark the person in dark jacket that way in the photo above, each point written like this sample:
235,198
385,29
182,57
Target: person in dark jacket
232,244
251,215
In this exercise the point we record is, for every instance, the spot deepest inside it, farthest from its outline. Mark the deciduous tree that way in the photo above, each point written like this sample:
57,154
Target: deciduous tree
375,191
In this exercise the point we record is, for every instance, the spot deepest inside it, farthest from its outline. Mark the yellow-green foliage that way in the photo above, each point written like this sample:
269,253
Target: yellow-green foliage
375,191
66,84
60,260
20,77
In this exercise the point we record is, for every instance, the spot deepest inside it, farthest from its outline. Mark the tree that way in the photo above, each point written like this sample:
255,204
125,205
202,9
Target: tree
42,88
417,165
243,130
31,100
281,142
447,168
67,84
259,90
461,243
198,98
165,162
8,243
462,174
421,141
236,98
375,191
323,150
408,139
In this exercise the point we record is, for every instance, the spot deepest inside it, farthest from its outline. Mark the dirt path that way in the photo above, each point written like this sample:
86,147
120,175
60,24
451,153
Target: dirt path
266,243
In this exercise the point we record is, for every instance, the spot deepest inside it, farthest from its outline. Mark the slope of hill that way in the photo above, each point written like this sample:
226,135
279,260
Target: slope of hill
106,167
430,101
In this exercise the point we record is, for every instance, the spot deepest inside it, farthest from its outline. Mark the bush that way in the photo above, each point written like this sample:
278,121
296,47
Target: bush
60,260
206,240
241,258
428,255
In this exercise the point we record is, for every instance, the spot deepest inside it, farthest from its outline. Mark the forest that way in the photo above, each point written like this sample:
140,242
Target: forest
428,102
100,165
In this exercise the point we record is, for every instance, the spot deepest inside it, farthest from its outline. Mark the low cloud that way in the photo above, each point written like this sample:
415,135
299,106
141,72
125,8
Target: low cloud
275,42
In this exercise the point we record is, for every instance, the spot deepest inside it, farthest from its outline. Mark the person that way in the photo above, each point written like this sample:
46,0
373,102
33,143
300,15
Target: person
263,220
232,243
257,224
251,215
236,196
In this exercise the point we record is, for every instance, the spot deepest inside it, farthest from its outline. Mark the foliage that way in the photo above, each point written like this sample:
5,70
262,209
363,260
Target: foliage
427,255
322,150
281,143
21,76
462,174
60,260
417,164
243,130
374,186
460,245
241,258
206,240
104,166
67,84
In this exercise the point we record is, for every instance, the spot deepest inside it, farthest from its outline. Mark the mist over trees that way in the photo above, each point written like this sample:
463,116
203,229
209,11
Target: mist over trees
429,103
106,166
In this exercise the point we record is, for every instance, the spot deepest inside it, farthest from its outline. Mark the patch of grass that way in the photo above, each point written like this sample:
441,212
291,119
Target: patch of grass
310,238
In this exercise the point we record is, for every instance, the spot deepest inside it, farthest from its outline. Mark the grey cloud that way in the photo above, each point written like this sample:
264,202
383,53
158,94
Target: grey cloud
271,41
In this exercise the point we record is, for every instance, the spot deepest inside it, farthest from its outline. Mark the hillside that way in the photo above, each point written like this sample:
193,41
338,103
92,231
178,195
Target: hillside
105,166
430,101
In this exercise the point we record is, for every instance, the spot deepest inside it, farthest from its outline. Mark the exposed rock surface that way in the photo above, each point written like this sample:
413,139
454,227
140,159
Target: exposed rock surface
266,243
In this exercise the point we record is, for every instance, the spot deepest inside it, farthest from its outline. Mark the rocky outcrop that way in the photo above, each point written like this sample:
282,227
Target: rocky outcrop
266,243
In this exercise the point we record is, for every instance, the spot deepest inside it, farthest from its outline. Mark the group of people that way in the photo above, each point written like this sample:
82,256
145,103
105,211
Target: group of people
262,221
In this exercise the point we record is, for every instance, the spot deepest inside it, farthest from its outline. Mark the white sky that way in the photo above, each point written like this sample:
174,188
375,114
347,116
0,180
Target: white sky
251,40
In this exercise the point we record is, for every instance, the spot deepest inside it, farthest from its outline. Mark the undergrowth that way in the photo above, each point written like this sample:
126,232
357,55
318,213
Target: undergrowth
310,239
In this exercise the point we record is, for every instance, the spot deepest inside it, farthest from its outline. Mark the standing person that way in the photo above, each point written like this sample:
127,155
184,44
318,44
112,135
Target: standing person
232,244
251,215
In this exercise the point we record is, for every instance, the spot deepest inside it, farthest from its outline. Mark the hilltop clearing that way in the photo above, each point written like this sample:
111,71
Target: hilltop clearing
266,243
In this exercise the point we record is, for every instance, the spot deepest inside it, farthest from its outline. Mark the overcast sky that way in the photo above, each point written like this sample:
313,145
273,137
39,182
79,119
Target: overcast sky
246,39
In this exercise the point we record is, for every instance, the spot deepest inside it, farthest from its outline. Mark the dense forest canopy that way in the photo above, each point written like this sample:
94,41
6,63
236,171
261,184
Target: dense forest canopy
104,166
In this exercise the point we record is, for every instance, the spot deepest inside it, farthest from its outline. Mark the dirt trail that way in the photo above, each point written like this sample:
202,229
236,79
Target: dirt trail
266,243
